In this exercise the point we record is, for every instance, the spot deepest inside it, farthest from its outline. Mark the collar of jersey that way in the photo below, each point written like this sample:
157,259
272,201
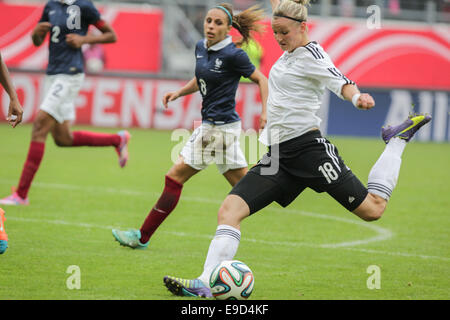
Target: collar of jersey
68,2
298,49
220,45
295,52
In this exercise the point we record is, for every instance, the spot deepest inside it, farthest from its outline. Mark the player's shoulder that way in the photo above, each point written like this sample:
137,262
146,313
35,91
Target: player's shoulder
232,51
200,47
81,3
50,3
200,44
314,50
315,55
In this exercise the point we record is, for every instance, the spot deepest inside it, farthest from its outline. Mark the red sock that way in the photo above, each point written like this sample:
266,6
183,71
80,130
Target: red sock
95,139
35,154
165,205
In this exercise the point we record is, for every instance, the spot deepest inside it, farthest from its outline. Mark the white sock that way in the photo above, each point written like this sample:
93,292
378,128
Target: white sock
384,174
223,247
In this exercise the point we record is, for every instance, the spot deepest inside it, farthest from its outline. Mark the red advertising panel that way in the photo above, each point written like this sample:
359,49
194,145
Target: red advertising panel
397,55
138,32
130,102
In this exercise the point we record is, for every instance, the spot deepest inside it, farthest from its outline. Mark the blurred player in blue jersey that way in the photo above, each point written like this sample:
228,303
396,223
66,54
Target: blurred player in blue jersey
14,117
219,67
67,21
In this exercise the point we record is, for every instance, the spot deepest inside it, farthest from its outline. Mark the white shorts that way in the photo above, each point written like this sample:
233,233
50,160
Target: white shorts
217,144
60,92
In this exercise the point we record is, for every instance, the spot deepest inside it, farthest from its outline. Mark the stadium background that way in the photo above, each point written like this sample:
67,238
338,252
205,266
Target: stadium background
404,63
312,250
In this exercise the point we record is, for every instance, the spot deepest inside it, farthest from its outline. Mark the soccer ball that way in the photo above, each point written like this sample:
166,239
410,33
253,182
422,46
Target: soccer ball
231,280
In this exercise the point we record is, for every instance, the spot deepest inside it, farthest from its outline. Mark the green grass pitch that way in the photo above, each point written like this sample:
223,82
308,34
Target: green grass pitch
314,249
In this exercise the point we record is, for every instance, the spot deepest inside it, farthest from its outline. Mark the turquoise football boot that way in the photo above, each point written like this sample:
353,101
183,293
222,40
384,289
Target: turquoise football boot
130,238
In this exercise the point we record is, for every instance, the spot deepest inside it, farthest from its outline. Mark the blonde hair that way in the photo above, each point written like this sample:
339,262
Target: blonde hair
246,21
295,9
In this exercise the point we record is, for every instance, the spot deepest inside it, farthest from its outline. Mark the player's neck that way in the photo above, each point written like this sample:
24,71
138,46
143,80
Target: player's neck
210,43
303,42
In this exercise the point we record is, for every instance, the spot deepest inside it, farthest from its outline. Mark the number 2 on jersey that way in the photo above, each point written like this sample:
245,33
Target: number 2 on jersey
55,33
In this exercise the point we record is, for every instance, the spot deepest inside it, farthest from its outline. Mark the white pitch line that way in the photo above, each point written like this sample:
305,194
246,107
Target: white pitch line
382,233
209,237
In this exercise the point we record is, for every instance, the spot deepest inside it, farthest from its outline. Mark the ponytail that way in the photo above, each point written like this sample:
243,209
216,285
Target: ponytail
246,21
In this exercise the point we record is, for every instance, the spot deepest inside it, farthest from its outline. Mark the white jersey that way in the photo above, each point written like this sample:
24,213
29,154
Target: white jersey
297,82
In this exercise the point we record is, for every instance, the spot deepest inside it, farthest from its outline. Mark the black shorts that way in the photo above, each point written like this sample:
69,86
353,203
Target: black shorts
308,161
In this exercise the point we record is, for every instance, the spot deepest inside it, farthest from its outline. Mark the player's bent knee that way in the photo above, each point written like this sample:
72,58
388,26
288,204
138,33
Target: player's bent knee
39,131
373,215
372,208
232,211
181,172
63,142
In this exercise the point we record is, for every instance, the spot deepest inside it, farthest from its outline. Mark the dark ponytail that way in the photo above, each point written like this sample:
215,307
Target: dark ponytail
246,21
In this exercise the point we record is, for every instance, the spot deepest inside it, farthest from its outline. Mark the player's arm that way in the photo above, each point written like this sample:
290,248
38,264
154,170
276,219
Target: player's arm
107,35
39,32
188,88
261,80
42,28
325,71
360,100
15,109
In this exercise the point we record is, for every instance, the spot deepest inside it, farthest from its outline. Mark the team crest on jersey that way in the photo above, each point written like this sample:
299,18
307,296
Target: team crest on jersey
218,63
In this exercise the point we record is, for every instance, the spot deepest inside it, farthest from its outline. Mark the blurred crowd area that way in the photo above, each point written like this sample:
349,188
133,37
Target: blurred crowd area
183,20
430,11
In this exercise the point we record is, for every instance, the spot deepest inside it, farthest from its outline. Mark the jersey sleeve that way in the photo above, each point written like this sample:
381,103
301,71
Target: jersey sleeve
90,13
322,69
242,64
44,17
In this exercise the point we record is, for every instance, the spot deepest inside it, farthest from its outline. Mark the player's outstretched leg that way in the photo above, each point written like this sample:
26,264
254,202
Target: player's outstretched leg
223,246
3,235
187,288
130,238
163,207
122,148
384,174
32,163
405,130
14,199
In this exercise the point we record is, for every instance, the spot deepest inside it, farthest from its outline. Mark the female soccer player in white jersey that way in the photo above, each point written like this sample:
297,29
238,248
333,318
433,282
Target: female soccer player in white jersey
68,22
219,67
299,157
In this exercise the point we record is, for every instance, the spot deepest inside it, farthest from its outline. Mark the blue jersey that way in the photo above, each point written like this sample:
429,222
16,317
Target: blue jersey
218,71
69,16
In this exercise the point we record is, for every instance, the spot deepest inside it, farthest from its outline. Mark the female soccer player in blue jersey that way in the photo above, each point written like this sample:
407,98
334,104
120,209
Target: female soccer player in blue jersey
68,22
219,67
299,157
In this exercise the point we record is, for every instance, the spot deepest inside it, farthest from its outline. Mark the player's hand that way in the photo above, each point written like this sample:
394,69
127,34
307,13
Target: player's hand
75,40
365,102
15,113
262,120
170,96
42,28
